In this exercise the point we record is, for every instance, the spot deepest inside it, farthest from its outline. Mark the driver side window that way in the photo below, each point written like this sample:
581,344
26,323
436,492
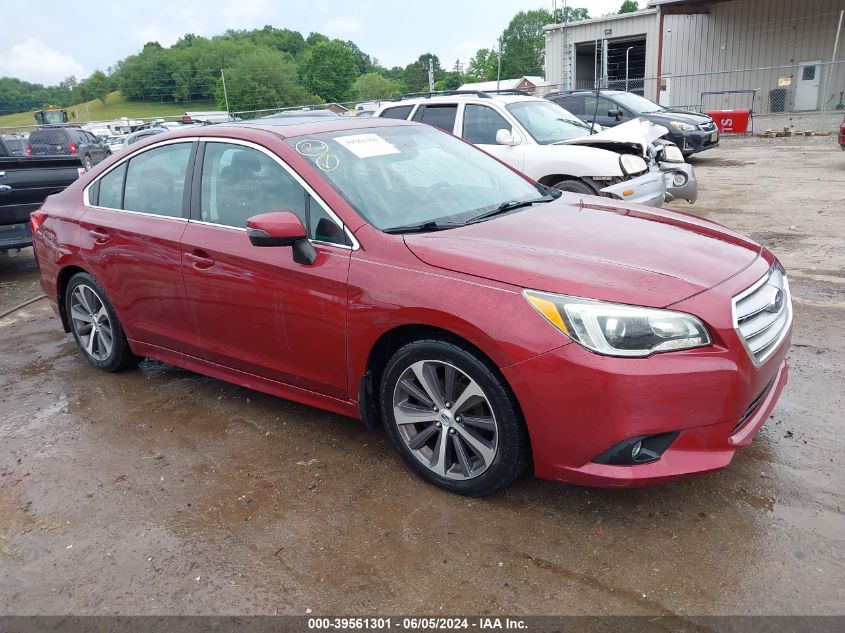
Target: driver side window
481,124
239,182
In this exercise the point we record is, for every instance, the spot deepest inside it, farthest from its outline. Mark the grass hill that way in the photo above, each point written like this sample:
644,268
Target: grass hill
115,106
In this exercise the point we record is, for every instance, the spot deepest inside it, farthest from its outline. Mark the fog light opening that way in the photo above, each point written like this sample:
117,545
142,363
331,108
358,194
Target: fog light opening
637,450
679,179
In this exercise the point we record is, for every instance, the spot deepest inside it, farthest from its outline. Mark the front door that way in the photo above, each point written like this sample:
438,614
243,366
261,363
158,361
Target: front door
133,228
256,310
807,86
480,125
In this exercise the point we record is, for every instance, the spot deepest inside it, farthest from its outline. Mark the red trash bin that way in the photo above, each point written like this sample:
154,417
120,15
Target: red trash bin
731,121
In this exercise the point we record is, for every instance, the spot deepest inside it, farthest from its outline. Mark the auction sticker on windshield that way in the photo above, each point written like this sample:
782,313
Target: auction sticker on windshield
367,145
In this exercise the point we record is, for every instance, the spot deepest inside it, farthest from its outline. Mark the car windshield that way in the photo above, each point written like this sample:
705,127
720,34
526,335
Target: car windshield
547,122
412,175
636,103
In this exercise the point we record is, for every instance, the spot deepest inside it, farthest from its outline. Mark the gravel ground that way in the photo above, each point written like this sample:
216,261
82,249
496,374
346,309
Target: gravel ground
159,491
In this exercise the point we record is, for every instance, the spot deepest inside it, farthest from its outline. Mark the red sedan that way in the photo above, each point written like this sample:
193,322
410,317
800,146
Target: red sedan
390,272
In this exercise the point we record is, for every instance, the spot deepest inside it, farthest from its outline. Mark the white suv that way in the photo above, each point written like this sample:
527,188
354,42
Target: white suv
544,141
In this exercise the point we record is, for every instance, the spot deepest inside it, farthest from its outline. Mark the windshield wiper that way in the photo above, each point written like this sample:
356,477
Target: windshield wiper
510,205
424,227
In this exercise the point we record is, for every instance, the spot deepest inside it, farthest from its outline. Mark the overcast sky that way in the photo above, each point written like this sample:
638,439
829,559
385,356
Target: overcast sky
78,38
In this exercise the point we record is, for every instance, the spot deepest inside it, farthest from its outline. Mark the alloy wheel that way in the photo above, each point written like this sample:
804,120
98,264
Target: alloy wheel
445,420
91,322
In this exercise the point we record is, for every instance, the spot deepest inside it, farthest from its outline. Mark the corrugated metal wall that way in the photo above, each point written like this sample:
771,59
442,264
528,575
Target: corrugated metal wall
741,36
559,67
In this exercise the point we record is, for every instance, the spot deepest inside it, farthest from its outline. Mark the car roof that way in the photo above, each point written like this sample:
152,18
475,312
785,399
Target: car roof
467,98
283,128
585,92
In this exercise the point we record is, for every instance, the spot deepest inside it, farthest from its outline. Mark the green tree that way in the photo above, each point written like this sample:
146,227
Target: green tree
450,81
363,61
329,69
523,44
484,65
262,78
416,73
629,6
571,14
374,86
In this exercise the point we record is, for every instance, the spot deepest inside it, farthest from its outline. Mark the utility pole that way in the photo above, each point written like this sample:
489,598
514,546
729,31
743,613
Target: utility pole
225,95
430,75
627,53
828,71
499,71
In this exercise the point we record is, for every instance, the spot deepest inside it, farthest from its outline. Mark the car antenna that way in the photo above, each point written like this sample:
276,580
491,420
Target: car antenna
595,112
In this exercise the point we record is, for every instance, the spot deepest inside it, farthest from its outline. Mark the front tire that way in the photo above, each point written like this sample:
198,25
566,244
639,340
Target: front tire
95,326
575,186
453,418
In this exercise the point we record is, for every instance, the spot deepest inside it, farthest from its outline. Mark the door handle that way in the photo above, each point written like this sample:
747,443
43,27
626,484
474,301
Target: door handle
199,259
99,235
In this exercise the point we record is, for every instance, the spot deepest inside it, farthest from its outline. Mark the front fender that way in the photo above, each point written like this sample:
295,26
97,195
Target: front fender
571,160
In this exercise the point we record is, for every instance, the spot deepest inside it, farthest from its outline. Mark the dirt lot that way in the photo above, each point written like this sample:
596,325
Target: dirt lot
160,491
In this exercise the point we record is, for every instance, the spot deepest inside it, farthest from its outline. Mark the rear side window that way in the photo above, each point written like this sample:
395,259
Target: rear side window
48,136
155,180
442,116
111,188
481,124
399,112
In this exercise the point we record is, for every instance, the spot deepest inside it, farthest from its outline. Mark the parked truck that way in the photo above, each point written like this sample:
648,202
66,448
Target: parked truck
25,182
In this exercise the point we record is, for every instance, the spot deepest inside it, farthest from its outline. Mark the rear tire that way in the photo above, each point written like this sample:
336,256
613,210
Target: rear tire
95,326
453,418
87,163
575,186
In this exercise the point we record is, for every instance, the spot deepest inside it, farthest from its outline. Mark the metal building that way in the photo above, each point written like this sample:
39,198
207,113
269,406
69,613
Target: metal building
775,54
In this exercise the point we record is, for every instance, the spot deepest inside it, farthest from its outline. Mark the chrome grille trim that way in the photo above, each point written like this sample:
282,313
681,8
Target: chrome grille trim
761,329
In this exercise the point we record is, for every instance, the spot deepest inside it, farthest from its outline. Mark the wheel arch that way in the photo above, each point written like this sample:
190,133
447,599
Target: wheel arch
552,179
392,340
62,281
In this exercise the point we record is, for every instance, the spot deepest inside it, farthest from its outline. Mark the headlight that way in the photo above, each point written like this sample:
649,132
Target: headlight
686,127
672,154
632,165
615,329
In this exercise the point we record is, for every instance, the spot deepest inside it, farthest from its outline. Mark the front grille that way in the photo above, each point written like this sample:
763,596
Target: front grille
752,408
763,314
708,127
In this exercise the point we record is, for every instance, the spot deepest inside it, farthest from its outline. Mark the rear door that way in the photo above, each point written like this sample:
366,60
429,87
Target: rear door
439,115
48,141
137,212
257,310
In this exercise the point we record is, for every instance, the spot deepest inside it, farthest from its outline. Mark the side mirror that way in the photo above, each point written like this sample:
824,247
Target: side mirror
615,114
281,228
506,137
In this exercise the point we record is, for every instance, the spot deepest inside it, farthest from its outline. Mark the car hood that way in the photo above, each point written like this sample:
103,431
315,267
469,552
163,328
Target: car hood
637,133
612,252
684,116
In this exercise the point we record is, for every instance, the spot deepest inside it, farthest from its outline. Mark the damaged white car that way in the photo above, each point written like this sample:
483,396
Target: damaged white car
554,147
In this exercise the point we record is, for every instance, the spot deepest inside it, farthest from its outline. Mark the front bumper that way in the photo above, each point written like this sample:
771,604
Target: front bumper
694,141
578,404
688,190
648,189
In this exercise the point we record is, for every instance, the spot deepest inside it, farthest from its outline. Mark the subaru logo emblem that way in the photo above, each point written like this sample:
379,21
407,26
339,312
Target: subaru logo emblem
776,302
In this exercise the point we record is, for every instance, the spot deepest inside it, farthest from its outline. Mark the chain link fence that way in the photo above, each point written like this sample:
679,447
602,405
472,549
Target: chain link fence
810,93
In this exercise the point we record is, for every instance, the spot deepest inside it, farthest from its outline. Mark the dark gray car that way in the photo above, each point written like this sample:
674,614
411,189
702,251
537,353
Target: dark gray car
690,131
67,140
